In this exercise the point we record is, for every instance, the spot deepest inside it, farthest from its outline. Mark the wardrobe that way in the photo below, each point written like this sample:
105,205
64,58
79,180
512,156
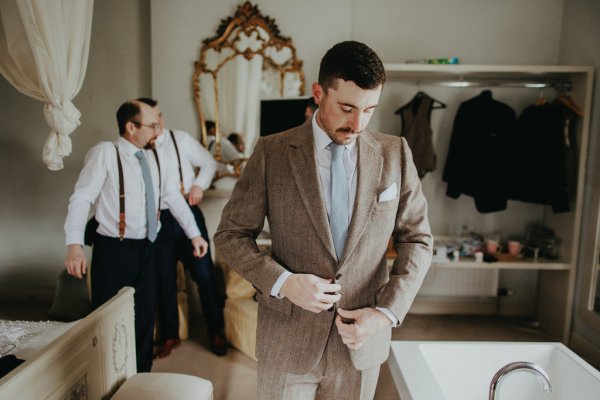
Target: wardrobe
545,286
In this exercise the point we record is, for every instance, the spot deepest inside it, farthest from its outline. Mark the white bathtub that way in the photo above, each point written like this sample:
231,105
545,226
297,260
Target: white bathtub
463,371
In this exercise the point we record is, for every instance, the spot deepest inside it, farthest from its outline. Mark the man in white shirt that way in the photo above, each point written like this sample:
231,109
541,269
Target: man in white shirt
181,152
125,183
238,141
229,152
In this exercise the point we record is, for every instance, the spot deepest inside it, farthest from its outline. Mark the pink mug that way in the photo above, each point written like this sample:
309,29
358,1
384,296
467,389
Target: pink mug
514,248
492,246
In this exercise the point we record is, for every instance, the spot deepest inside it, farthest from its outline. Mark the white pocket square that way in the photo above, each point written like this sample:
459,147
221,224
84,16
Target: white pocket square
388,194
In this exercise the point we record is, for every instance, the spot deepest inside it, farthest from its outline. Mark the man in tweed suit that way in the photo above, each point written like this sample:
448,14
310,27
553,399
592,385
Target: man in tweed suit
326,307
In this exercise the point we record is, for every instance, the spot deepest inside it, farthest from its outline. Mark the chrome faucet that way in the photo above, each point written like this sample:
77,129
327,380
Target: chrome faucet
515,367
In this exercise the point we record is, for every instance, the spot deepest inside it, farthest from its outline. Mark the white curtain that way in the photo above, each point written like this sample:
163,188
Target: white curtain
44,46
244,97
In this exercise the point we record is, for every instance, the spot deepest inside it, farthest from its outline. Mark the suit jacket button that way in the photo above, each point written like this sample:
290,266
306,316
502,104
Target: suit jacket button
338,276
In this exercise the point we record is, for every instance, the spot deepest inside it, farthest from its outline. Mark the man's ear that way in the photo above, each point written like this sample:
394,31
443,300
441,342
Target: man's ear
317,91
129,128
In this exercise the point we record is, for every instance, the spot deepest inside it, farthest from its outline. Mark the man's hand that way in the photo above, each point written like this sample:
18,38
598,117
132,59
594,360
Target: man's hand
75,261
366,322
311,292
200,246
195,196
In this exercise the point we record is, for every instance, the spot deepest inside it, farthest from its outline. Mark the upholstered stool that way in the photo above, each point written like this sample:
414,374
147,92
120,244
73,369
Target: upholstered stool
162,386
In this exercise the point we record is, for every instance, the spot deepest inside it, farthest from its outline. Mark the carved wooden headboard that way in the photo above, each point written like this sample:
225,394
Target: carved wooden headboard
89,361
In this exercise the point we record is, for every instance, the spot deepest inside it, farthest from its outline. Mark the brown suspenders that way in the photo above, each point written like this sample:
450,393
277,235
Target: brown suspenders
121,197
159,182
178,162
122,192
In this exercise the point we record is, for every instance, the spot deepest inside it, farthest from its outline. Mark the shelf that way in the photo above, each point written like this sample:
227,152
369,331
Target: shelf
544,265
485,73
519,265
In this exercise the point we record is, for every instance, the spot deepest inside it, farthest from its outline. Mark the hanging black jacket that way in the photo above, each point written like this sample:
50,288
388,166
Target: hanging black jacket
540,158
478,163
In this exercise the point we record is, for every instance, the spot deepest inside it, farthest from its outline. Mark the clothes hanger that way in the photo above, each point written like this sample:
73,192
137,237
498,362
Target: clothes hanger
436,103
565,100
568,102
416,101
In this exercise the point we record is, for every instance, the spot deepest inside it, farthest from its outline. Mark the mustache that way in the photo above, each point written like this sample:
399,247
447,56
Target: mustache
345,130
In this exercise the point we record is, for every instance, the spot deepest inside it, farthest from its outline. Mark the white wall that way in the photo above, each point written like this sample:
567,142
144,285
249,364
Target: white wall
33,200
478,32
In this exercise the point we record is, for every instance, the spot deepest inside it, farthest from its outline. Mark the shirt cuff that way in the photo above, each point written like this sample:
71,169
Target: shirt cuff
279,283
390,315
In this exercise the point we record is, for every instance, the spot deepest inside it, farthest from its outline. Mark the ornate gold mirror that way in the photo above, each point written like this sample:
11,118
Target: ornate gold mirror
246,61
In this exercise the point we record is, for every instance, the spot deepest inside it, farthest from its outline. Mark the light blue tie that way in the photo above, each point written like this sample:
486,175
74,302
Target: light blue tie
150,206
340,212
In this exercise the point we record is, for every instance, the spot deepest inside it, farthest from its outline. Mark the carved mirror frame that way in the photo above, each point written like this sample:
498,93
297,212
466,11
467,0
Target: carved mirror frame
247,22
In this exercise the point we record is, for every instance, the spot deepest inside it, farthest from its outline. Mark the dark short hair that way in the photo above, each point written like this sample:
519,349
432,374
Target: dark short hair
147,100
127,112
209,125
351,61
234,137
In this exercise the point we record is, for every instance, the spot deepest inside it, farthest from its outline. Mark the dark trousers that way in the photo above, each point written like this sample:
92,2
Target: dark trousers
130,262
173,245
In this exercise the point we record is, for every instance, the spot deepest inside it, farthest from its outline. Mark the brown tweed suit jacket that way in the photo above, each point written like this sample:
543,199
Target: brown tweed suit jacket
281,182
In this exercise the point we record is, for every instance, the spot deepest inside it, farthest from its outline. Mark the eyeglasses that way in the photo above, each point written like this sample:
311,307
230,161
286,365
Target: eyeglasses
156,127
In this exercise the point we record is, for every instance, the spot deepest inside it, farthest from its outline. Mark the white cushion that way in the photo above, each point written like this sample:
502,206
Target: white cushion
161,386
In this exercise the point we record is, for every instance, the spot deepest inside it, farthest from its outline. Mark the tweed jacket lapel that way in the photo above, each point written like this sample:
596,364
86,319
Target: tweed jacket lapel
368,168
304,168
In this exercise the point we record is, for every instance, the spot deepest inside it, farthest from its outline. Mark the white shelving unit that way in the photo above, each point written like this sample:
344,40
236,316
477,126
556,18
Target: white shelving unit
556,279
541,265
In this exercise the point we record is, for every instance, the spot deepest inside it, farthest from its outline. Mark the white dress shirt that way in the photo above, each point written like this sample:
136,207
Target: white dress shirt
323,156
192,154
228,151
98,184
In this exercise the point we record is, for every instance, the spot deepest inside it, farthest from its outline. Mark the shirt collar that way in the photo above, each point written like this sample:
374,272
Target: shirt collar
322,140
127,147
161,139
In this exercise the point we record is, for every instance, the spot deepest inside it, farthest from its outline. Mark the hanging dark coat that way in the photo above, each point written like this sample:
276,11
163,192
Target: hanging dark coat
477,163
540,158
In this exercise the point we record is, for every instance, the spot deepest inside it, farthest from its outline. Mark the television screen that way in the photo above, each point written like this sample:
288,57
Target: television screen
281,114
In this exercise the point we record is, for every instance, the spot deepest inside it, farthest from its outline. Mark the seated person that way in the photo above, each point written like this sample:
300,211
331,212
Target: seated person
238,141
229,152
